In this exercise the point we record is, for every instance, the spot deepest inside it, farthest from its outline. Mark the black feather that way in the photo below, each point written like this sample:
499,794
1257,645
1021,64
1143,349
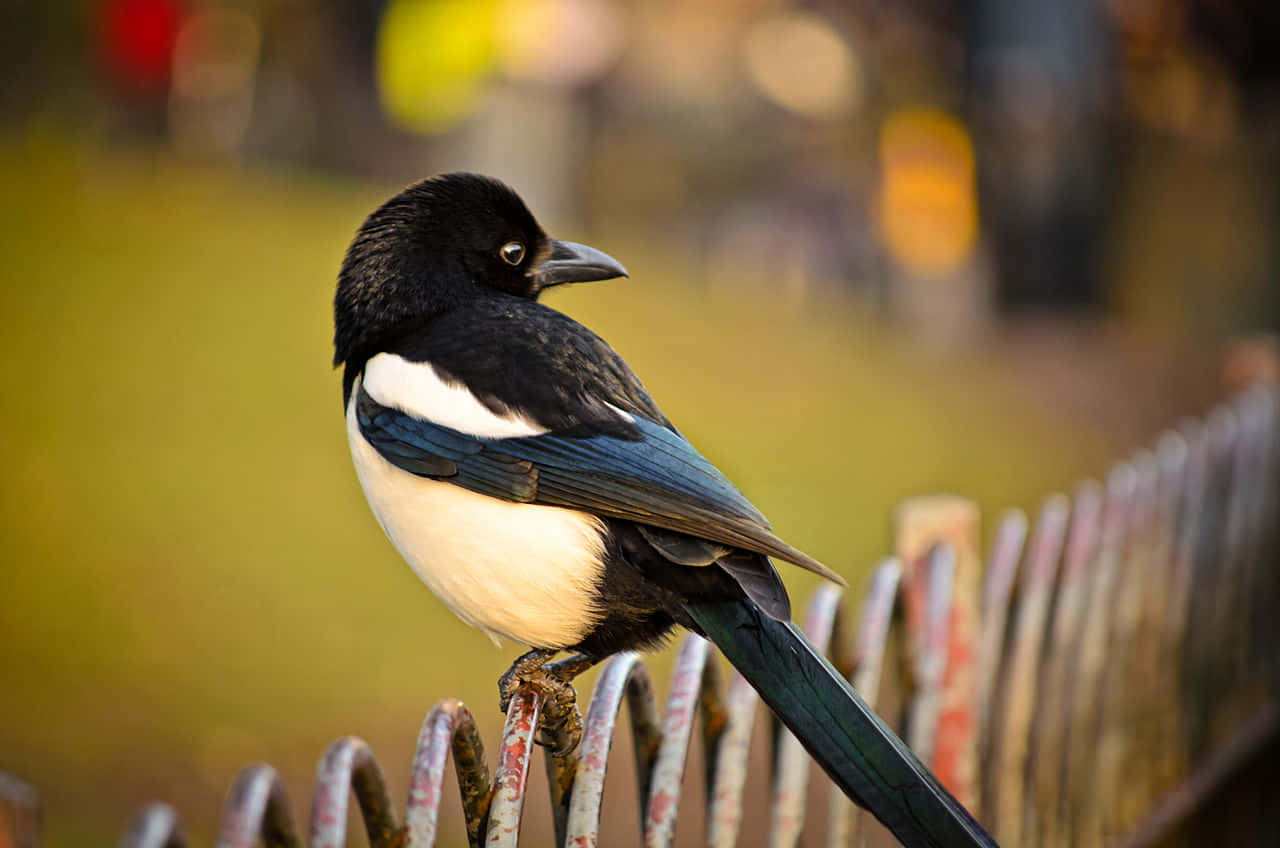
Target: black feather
683,549
760,580
521,356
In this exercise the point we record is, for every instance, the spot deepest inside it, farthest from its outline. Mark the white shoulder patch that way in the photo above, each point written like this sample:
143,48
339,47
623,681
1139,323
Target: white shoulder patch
418,389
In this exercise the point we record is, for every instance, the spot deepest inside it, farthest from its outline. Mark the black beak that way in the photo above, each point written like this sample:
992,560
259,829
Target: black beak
576,263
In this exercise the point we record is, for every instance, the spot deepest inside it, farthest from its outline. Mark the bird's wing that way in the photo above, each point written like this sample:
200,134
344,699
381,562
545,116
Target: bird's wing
652,477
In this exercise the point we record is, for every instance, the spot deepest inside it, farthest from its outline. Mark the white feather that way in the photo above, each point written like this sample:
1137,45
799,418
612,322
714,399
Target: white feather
525,572
417,388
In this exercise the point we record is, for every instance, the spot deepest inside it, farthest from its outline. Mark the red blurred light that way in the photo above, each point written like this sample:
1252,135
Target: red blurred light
137,38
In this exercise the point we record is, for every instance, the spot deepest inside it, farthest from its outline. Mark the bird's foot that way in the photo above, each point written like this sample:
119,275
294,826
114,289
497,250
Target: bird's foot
560,728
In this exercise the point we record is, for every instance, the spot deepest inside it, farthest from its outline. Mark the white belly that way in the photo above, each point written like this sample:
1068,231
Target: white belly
521,571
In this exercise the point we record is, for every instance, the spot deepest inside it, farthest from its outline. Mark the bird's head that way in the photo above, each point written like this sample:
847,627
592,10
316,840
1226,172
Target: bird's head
439,243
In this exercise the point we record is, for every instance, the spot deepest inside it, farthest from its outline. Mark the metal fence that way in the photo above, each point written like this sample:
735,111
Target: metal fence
1097,683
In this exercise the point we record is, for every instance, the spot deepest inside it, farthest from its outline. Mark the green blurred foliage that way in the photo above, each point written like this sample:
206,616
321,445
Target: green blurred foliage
192,580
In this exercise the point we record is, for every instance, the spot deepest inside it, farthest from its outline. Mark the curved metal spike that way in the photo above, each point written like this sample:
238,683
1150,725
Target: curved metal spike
1078,821
448,727
512,772
350,766
1013,706
258,809
157,826
1189,510
997,587
625,675
931,662
846,820
1049,725
694,683
1125,679
724,809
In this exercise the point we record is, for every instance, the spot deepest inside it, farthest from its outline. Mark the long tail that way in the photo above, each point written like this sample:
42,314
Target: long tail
855,748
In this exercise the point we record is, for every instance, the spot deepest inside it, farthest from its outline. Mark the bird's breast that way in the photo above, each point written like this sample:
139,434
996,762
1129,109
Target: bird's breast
526,572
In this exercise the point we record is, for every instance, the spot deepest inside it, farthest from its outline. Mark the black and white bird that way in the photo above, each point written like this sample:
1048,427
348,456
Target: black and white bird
513,458
520,467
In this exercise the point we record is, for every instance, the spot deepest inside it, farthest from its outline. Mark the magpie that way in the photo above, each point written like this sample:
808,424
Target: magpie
521,468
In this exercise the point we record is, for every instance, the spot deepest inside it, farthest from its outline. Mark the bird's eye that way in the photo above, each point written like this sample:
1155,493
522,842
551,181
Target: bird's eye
512,252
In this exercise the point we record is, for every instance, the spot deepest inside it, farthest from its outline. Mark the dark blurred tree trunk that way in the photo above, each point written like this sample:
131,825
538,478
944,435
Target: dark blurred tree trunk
1039,83
1245,36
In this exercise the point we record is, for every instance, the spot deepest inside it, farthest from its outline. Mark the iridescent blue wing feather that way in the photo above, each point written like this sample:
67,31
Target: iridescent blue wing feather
657,479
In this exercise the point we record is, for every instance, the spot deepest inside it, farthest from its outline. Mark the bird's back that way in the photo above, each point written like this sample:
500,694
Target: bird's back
517,354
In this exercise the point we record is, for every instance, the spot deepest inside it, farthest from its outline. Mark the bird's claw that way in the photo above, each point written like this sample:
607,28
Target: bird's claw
560,727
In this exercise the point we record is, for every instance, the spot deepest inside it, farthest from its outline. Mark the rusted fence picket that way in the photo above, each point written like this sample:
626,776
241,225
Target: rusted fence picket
1013,704
1104,677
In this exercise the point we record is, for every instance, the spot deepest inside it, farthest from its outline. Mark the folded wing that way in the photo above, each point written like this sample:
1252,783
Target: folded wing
657,480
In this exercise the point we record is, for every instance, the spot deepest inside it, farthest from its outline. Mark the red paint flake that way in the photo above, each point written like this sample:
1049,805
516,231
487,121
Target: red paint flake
659,805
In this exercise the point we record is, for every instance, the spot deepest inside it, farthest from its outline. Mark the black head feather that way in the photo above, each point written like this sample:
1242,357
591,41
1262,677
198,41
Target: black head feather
423,252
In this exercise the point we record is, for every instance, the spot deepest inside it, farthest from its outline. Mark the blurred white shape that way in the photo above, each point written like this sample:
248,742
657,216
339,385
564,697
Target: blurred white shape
215,62
799,61
534,137
558,42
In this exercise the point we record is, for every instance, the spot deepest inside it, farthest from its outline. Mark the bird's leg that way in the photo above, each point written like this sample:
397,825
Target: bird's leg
561,725
570,667
561,728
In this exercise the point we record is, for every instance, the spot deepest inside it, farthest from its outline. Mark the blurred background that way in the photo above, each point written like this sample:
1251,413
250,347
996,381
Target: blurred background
877,249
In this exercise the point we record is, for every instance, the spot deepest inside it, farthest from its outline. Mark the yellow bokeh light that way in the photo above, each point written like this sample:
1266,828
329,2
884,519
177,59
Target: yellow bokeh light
433,59
800,62
928,205
558,42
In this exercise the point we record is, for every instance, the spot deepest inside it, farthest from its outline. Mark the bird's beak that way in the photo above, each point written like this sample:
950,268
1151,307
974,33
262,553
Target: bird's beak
576,263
